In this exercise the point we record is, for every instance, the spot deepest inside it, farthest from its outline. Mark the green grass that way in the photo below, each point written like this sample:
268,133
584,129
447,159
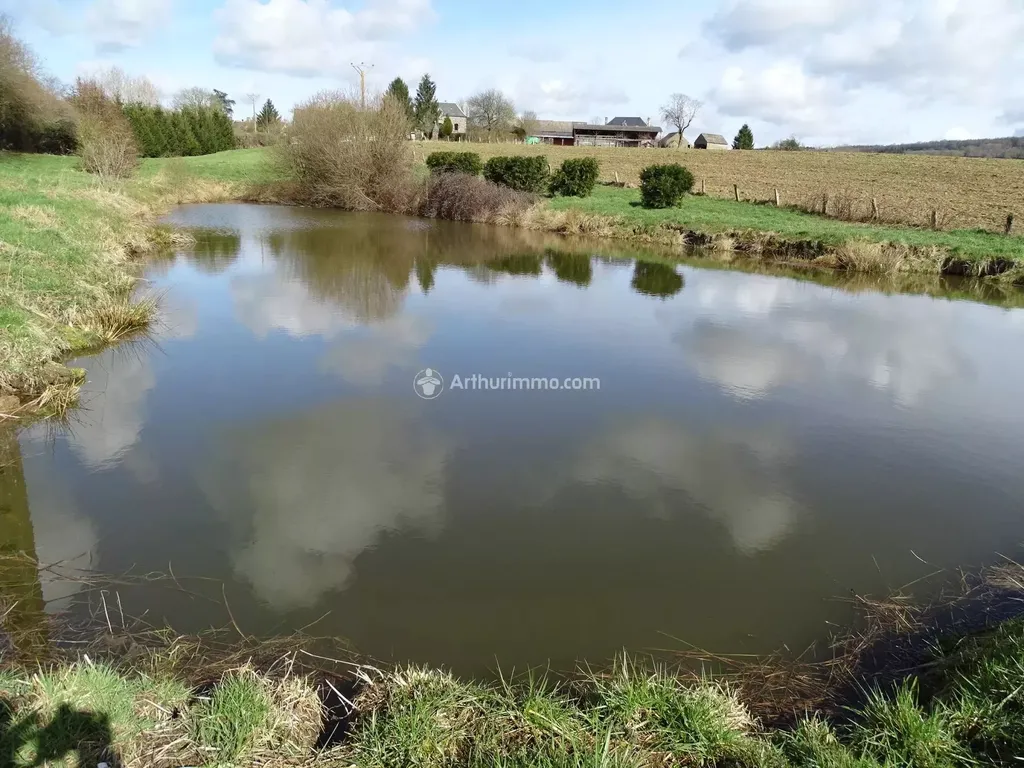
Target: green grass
68,248
964,709
228,722
238,165
714,215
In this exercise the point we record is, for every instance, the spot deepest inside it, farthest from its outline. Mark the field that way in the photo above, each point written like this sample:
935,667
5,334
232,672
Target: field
967,193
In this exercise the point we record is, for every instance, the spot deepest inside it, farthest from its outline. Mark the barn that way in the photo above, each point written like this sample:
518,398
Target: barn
711,141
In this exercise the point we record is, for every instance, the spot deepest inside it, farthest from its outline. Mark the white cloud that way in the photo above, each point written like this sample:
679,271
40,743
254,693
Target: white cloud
795,333
733,476
843,57
119,24
958,133
322,489
365,357
781,94
114,398
311,37
746,23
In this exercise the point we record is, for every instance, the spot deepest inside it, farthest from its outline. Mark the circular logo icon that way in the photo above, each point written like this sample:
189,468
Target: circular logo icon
428,384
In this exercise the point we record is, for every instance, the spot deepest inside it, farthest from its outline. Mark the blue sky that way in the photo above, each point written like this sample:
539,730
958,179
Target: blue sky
827,71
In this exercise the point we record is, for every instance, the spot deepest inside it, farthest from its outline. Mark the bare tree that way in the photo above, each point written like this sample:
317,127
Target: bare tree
253,98
680,112
528,122
119,85
194,97
491,111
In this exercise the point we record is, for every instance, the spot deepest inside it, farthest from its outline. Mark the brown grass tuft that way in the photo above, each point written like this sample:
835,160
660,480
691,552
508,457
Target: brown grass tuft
36,215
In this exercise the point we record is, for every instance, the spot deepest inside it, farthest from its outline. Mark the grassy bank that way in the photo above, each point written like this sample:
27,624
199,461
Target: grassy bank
963,704
782,234
69,247
967,193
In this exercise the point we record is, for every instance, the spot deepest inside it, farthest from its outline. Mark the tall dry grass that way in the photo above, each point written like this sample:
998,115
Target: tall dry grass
346,157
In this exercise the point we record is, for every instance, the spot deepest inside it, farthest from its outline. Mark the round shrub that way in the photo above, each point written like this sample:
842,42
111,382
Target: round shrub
576,177
663,186
455,162
527,174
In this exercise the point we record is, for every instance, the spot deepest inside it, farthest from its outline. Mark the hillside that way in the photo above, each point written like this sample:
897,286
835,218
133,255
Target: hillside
1010,147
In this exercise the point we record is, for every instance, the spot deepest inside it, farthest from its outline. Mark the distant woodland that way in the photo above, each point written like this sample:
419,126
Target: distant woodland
1009,147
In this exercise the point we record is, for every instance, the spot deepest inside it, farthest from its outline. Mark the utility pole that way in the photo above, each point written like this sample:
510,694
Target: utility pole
253,97
361,68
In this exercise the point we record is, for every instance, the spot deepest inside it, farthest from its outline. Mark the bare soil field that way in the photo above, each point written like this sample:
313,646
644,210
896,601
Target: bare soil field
966,193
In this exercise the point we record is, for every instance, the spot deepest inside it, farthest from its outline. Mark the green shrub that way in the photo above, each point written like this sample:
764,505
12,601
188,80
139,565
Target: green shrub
663,186
576,177
528,174
455,162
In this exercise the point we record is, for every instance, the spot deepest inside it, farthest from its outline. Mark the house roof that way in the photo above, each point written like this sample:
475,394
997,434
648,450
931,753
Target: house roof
553,128
451,109
713,138
633,122
618,128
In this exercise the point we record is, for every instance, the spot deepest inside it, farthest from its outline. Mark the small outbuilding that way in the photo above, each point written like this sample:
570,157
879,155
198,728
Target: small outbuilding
671,141
711,141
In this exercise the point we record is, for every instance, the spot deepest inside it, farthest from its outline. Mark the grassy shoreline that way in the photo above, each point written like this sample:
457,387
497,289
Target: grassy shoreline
70,248
955,698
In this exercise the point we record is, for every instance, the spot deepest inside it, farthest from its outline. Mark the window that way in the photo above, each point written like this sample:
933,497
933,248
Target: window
455,127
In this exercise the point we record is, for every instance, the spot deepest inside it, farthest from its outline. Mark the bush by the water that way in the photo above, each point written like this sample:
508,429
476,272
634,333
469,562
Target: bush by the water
185,132
663,186
462,197
528,174
106,143
455,162
576,177
347,157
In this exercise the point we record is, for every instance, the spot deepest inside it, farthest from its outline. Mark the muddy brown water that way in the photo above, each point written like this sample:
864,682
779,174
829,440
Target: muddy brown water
758,447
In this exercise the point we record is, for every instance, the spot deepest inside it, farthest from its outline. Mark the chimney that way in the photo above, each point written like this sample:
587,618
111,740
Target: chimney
606,120
648,122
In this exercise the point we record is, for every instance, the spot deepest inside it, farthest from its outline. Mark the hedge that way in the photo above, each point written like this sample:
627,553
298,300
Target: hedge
663,186
455,162
528,174
576,177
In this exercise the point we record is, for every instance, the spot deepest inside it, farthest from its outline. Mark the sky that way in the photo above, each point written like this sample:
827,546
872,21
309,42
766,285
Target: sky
826,71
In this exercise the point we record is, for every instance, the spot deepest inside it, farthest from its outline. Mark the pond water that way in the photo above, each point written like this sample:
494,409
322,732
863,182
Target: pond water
748,449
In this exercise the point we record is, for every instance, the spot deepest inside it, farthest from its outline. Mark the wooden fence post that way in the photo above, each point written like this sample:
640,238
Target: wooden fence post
935,219
1009,223
776,197
703,190
616,177
824,204
736,191
874,209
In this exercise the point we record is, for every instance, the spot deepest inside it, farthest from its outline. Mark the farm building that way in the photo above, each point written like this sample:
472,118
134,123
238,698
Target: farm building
617,132
557,132
711,141
459,119
672,140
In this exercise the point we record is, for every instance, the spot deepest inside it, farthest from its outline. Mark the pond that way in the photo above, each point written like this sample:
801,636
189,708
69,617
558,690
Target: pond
476,447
